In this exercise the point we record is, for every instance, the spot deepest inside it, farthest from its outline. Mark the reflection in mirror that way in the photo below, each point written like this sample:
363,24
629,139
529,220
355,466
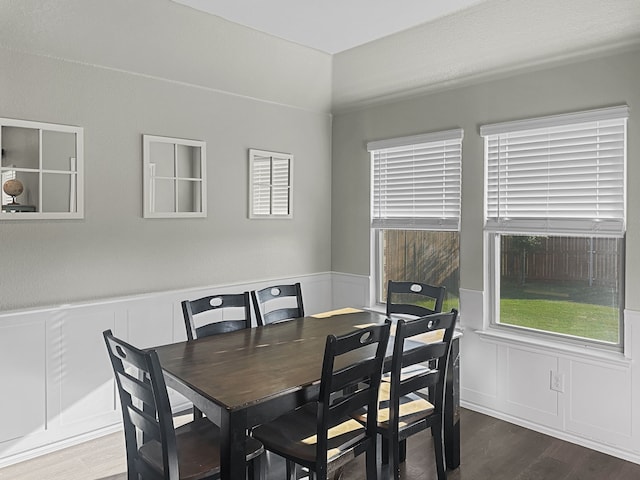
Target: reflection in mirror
174,177
41,170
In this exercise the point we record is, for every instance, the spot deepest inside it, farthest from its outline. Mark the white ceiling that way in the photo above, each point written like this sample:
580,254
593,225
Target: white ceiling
331,26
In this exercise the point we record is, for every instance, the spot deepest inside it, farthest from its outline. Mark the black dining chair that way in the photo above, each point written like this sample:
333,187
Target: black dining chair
155,450
277,303
401,411
216,303
237,301
322,435
414,298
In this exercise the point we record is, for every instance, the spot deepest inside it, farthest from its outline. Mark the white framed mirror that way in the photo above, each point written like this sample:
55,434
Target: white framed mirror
41,170
174,177
270,184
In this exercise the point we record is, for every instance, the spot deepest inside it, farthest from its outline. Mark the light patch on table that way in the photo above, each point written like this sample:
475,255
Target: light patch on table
340,311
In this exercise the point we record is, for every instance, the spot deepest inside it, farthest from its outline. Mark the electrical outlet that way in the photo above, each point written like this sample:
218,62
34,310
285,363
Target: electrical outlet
557,382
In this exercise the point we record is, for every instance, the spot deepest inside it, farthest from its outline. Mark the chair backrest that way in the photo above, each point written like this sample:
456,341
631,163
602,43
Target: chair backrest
346,385
146,411
404,379
413,298
216,302
276,304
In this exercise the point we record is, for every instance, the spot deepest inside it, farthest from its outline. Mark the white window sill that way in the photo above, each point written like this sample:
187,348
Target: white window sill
585,351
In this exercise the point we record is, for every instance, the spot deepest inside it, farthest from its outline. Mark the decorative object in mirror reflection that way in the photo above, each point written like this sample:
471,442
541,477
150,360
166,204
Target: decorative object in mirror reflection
13,188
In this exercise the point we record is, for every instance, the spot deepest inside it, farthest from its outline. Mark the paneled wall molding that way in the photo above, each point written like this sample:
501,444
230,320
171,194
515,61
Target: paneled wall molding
551,387
57,356
65,377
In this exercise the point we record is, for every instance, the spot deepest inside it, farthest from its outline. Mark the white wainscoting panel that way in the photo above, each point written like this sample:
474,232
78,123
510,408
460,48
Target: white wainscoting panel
23,373
151,324
350,290
527,386
478,370
600,401
86,378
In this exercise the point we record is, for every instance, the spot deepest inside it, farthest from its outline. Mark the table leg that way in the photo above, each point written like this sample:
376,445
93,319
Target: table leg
233,438
452,408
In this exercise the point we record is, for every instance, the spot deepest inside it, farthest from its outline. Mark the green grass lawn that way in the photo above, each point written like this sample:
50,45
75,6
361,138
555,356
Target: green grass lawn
574,309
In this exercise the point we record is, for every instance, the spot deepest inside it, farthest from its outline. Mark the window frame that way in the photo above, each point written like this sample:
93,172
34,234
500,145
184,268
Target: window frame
493,233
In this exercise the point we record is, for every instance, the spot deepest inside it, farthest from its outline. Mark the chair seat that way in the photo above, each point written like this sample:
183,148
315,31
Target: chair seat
293,435
413,408
198,445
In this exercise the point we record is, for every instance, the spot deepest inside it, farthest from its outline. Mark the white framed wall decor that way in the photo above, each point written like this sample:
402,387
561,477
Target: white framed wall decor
174,176
41,170
270,184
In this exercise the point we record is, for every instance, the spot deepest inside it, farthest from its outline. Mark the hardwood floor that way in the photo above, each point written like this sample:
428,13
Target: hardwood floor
491,450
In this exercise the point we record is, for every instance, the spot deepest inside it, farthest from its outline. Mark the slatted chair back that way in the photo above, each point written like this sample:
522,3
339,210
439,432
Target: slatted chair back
191,308
277,303
406,414
146,410
346,387
414,298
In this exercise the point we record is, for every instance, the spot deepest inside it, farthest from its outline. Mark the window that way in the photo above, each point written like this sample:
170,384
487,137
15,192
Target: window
555,220
415,211
270,175
174,177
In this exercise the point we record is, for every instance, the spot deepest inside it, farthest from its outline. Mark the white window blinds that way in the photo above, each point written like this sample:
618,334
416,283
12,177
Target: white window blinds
562,174
416,181
270,188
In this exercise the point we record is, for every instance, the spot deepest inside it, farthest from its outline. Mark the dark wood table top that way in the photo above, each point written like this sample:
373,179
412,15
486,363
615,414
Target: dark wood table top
240,369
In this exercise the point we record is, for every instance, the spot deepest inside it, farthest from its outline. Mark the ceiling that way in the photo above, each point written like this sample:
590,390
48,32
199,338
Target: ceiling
330,26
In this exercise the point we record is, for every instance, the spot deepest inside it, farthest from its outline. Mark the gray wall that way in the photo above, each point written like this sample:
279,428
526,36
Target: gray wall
114,251
600,82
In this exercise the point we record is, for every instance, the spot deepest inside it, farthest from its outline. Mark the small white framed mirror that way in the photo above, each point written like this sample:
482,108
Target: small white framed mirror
174,177
270,184
41,170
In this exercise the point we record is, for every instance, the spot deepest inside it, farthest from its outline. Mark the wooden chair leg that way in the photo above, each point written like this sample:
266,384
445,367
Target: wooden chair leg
439,451
394,462
372,464
403,451
385,450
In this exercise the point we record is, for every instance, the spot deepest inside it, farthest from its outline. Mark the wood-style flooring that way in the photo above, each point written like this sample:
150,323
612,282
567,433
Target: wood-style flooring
491,450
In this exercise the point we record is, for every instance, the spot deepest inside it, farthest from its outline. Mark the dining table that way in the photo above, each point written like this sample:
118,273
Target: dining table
245,378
